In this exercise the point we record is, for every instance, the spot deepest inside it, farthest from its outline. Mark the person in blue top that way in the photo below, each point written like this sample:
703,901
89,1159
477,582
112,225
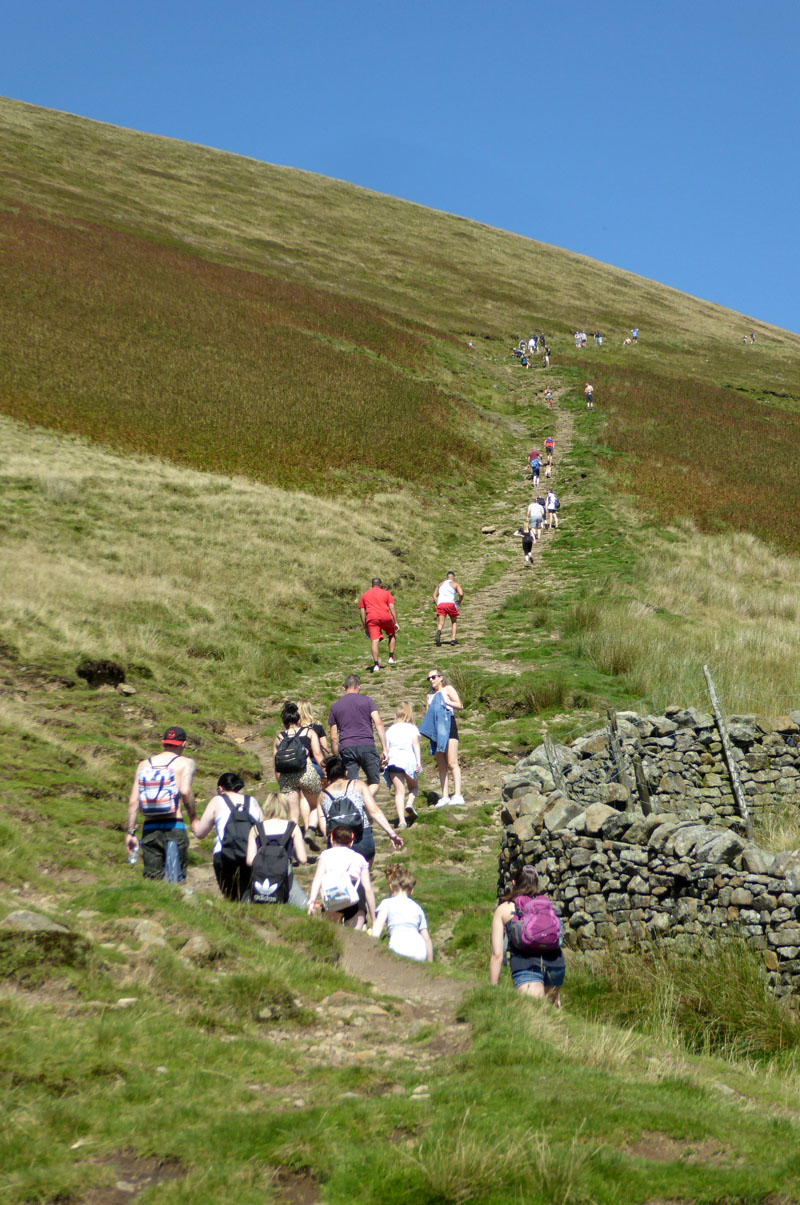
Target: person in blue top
439,725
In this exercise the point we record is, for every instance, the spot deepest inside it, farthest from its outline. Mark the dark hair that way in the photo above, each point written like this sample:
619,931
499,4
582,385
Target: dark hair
376,581
342,836
334,768
351,680
523,882
290,715
230,781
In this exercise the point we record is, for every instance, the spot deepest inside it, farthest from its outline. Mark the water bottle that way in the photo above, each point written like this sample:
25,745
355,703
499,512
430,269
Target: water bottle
173,872
133,855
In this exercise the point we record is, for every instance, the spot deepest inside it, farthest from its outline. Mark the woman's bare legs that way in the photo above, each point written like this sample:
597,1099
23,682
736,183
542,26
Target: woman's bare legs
293,801
455,768
399,784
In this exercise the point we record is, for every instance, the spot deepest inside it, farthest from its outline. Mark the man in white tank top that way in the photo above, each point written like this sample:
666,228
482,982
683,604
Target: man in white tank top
447,596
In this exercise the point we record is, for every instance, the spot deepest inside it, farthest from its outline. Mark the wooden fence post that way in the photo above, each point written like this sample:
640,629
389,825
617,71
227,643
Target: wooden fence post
616,753
727,748
555,768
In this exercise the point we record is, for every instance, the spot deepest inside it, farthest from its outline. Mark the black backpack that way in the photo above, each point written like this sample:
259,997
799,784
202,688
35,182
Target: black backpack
291,756
342,812
237,830
272,868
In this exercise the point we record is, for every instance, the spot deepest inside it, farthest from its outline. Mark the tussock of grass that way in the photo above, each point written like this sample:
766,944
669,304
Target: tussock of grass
714,1002
723,600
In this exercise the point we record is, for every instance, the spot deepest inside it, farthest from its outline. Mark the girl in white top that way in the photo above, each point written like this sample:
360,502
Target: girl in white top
341,857
403,762
408,928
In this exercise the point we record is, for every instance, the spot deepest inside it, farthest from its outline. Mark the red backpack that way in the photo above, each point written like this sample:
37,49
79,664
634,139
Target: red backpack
535,927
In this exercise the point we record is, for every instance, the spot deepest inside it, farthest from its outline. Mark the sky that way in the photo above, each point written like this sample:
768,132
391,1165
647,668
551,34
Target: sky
659,137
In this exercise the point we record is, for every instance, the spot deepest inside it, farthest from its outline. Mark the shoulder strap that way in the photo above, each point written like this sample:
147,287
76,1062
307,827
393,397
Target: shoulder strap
228,801
288,836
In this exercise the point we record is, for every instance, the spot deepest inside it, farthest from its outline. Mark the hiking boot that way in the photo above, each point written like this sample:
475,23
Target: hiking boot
437,640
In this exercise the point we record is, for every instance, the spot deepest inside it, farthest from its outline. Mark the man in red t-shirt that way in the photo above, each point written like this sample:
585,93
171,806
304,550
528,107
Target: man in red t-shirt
379,615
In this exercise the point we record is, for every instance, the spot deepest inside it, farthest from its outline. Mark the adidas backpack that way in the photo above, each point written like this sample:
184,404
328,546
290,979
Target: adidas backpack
535,927
272,868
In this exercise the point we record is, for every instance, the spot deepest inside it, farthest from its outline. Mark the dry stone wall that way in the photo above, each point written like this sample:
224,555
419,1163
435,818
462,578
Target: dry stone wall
685,871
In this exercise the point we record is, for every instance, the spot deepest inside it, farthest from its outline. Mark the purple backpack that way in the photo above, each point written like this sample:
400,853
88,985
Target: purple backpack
535,927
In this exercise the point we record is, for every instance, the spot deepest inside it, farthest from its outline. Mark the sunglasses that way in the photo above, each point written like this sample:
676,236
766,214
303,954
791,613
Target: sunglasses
433,677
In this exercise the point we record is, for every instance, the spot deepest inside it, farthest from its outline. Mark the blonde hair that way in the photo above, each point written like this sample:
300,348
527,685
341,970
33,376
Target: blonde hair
306,713
400,878
404,713
275,807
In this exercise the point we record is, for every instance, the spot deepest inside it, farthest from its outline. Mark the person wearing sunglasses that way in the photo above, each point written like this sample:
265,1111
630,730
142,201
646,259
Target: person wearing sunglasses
440,726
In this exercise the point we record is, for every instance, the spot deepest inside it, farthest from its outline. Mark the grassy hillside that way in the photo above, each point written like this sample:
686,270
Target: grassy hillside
231,393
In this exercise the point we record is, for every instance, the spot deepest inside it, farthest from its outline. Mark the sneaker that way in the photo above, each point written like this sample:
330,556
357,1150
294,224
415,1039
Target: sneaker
457,801
376,669
392,661
444,802
411,810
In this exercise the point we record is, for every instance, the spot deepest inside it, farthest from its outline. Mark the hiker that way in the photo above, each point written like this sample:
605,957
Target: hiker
546,356
635,334
309,720
548,468
162,785
347,802
536,969
527,544
296,754
535,518
403,763
439,725
408,927
548,397
448,596
533,455
234,815
589,395
552,504
350,722
536,468
342,883
272,877
549,447
379,615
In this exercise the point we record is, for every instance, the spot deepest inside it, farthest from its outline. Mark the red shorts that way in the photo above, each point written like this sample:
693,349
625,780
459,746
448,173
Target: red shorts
383,624
448,609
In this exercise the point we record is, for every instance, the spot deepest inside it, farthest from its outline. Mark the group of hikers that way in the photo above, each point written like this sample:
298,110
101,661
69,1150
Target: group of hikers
324,805
321,799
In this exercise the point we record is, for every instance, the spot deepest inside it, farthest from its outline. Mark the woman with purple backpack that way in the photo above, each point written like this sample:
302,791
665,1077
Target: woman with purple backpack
528,923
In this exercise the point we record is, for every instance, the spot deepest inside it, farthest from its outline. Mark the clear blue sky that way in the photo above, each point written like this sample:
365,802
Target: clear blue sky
659,137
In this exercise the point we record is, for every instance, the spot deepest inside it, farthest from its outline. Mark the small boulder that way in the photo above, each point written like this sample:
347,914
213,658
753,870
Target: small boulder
559,811
31,922
597,815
